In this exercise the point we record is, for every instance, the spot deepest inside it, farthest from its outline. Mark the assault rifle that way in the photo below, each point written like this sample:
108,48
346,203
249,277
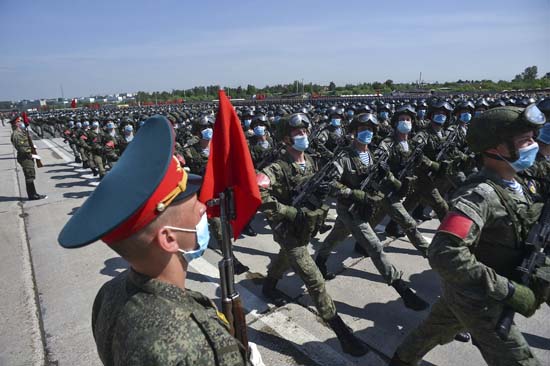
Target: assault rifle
381,163
538,245
410,164
305,190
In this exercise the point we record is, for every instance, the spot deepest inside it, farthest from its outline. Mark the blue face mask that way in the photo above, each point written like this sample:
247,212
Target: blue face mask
207,133
384,115
365,136
527,156
247,123
336,122
301,143
421,113
259,130
404,127
465,117
22,125
439,118
203,237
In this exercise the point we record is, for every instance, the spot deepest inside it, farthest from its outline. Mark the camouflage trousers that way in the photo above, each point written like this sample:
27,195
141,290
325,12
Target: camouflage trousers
298,258
75,150
83,154
454,313
28,169
361,230
393,207
429,193
98,162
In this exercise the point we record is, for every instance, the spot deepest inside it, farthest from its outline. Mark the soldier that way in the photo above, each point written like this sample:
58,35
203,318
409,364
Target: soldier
262,143
111,142
70,138
431,173
333,135
96,143
479,244
145,315
127,137
22,143
294,226
356,164
399,149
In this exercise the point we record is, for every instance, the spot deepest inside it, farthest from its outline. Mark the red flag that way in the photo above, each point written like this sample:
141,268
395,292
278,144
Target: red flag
25,118
230,166
73,103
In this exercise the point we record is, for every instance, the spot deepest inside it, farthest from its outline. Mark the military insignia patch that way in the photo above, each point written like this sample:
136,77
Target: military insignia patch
532,187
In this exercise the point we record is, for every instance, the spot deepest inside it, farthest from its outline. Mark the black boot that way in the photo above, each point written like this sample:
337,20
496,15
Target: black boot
324,228
85,164
349,342
78,160
419,215
393,229
359,249
396,361
101,176
411,300
463,337
321,263
95,172
270,291
238,267
249,231
31,192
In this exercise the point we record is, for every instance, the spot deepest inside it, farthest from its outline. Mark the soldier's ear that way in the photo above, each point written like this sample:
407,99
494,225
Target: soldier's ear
166,239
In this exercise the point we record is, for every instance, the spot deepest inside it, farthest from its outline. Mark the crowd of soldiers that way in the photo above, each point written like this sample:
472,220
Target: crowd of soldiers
401,159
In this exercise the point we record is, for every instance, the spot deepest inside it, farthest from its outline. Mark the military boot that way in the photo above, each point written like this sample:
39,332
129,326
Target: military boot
393,229
463,337
419,215
31,192
85,164
249,231
238,267
396,361
348,341
321,263
269,290
95,172
78,160
411,299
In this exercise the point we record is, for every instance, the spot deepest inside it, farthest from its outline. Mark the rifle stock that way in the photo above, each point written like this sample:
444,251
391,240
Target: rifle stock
33,150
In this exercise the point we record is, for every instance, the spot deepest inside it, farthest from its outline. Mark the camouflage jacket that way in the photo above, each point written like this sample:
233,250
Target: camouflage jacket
540,170
20,141
137,321
481,241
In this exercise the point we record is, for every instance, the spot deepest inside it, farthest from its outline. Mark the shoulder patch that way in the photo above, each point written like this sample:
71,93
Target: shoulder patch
456,224
263,180
484,190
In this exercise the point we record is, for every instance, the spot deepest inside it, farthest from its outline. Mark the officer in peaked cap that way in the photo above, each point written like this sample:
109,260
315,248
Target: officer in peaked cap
146,315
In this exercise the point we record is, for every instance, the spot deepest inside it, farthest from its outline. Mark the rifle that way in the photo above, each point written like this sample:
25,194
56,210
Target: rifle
232,306
381,161
410,164
537,243
33,149
304,191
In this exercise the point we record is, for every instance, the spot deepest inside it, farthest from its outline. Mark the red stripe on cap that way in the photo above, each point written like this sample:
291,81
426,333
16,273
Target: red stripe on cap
456,224
148,211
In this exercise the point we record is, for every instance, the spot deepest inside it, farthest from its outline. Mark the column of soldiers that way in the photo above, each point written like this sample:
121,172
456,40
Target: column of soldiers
377,160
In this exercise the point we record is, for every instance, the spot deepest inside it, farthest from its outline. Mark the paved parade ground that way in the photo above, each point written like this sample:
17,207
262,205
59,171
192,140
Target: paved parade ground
47,291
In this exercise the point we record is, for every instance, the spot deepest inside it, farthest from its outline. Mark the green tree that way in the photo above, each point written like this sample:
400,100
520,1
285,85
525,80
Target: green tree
332,86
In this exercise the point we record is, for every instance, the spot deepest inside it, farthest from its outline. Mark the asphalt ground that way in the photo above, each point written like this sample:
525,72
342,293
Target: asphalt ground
48,291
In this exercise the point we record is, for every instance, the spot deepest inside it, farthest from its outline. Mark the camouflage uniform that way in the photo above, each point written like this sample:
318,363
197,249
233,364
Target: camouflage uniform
70,138
356,222
430,178
392,203
20,141
137,320
284,176
96,143
475,270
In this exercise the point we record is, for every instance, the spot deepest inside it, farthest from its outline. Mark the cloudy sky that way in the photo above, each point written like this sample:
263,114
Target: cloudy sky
100,47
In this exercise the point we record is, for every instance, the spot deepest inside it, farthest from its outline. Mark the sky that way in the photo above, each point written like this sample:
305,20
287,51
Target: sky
103,47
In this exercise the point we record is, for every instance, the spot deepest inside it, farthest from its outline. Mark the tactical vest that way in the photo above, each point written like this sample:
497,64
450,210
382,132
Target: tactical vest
502,245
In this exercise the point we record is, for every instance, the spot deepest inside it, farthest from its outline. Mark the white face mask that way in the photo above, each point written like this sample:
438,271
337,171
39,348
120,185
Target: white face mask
203,237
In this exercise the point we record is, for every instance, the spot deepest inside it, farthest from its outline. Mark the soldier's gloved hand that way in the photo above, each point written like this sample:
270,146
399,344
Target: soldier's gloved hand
540,282
425,163
358,195
343,193
284,212
521,299
323,189
255,358
407,185
445,167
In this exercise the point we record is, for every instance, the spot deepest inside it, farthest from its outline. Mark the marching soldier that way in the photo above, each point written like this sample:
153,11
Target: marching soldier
293,227
480,243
